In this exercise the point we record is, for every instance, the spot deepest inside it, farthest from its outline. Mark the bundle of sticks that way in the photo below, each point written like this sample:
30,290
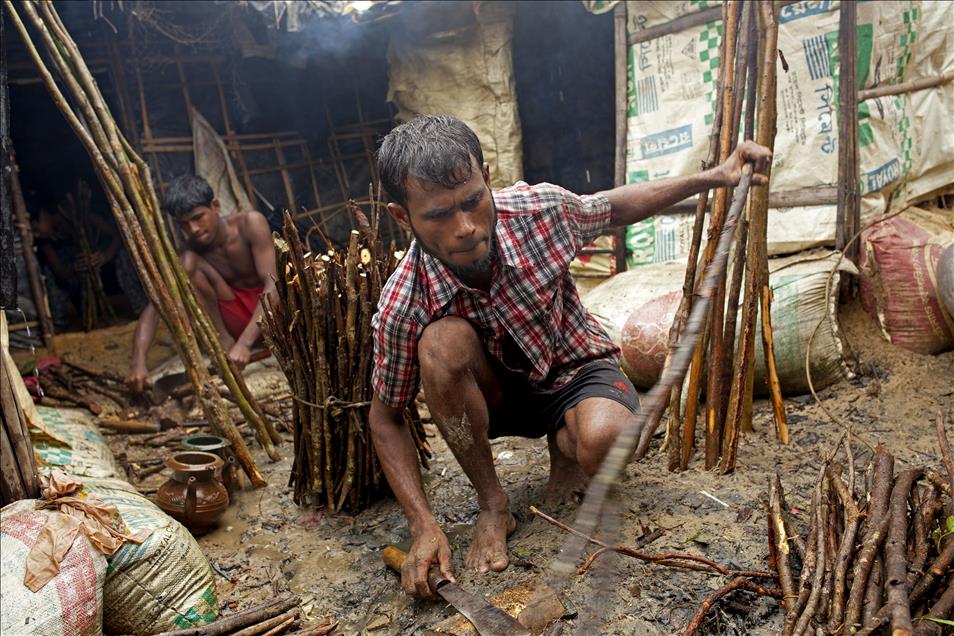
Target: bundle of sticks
77,210
321,335
748,68
77,384
126,180
268,619
884,557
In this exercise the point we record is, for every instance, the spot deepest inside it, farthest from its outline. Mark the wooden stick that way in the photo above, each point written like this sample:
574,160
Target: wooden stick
782,548
896,581
945,447
717,356
768,347
251,616
670,559
849,195
738,583
943,610
906,87
845,551
875,527
128,185
268,625
740,398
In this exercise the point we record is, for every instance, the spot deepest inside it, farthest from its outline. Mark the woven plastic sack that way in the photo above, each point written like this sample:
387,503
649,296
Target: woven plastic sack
87,454
637,308
162,584
71,604
899,261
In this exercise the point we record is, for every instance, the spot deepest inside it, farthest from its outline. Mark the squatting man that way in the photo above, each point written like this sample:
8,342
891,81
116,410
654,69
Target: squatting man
231,263
482,312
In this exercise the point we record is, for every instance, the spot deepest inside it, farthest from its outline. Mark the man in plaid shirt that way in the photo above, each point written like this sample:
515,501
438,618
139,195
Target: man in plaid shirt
482,312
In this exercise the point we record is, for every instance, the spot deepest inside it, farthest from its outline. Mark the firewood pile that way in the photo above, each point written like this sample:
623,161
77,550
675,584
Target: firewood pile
321,335
878,557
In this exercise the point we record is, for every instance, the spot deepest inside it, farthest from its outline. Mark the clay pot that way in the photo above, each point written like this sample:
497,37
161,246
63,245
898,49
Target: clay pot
217,445
193,495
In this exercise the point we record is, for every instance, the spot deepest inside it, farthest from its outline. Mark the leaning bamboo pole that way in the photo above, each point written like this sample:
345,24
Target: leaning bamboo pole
756,276
126,179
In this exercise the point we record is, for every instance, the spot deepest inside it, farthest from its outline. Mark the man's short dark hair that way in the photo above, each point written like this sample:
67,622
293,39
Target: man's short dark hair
185,193
433,148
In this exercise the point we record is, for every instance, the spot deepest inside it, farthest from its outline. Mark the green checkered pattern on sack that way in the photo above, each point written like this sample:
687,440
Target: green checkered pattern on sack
910,17
88,455
709,39
903,104
161,584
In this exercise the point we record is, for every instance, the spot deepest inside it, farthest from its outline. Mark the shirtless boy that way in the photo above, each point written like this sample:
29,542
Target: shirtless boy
230,261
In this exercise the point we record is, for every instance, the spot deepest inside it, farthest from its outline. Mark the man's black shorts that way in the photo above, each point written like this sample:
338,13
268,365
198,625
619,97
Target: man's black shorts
527,411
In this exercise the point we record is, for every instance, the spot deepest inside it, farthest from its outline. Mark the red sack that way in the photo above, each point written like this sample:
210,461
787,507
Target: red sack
899,260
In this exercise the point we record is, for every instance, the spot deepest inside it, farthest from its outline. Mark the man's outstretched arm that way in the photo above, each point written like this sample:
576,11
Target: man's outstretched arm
398,456
259,236
637,201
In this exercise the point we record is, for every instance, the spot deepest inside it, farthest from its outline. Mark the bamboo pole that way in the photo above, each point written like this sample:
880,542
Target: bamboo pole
129,189
739,395
717,355
849,196
34,277
634,441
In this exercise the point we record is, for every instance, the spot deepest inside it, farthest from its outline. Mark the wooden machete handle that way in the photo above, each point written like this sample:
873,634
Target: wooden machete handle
394,557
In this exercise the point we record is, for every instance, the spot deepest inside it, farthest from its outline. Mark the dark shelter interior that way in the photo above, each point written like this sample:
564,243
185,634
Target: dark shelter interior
298,104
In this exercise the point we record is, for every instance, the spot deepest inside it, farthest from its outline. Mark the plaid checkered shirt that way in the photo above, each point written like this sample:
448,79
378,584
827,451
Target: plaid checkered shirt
532,297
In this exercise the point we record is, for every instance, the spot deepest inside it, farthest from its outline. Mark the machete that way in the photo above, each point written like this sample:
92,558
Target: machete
486,619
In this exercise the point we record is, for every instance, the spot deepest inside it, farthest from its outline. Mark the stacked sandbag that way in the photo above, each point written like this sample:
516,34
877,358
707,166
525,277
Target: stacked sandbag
71,604
637,308
945,279
899,284
162,584
79,448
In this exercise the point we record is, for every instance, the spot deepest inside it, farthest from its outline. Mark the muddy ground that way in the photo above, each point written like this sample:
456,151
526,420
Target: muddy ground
266,544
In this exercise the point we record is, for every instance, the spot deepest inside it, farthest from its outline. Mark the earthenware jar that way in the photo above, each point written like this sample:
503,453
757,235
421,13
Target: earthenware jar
193,495
220,446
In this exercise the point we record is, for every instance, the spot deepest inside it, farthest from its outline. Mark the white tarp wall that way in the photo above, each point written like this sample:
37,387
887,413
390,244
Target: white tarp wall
906,141
456,59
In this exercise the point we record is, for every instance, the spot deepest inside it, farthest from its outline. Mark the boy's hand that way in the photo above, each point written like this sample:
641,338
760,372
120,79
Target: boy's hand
239,354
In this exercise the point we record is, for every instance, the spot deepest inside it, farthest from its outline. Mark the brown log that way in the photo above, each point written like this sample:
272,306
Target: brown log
896,567
251,616
65,396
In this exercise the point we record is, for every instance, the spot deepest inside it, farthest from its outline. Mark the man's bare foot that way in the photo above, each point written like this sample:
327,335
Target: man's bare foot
567,484
489,548
567,480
